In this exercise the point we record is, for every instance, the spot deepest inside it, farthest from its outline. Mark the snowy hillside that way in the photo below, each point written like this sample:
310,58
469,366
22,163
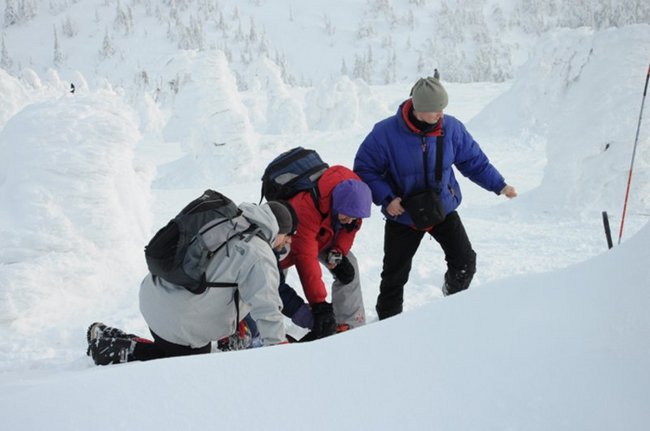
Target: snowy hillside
174,97
380,41
564,350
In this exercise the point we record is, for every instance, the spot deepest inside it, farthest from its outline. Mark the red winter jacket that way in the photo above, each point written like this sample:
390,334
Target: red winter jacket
316,233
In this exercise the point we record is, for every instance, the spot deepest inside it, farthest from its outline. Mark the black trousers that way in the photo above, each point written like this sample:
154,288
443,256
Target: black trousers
400,244
161,348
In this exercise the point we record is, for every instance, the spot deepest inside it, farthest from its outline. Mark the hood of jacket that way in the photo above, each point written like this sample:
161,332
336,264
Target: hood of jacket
262,216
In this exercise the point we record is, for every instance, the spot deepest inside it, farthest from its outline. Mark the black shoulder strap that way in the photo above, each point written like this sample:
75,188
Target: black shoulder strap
315,195
208,284
438,169
439,147
439,157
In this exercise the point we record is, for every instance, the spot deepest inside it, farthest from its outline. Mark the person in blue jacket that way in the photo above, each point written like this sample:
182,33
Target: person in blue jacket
398,161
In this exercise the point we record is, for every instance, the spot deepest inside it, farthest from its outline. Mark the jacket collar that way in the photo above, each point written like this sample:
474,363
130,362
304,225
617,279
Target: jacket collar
406,108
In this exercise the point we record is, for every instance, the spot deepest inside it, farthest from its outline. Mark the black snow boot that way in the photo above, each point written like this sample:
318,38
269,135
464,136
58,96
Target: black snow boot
107,345
458,280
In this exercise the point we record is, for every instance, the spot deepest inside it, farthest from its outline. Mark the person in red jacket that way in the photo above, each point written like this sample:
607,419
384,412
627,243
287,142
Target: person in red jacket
325,236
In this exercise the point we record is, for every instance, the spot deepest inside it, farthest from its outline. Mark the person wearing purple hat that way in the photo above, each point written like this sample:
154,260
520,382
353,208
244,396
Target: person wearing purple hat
326,230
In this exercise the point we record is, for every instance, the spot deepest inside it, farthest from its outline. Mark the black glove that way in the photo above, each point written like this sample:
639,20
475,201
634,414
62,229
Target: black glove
344,271
324,321
334,257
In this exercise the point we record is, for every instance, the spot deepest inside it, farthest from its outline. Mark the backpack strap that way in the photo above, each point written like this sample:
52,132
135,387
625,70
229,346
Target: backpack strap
246,235
253,230
235,298
315,195
235,295
208,284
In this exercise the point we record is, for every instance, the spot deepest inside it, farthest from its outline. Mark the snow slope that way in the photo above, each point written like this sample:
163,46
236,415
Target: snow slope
553,333
564,350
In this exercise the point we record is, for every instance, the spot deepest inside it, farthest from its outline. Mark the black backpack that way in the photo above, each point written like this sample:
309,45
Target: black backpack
180,252
291,172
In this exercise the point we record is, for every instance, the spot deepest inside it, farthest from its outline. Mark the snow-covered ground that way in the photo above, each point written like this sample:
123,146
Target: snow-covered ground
553,334
563,350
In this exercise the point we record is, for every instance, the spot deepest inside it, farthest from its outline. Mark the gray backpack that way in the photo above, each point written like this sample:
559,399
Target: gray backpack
180,252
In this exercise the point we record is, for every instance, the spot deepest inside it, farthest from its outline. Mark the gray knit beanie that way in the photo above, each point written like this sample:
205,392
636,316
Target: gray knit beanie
283,216
429,95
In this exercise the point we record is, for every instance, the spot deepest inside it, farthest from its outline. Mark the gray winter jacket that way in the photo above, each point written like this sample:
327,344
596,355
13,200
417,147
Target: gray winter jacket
184,318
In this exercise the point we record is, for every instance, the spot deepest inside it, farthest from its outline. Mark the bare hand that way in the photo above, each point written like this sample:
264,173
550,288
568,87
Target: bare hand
509,192
395,207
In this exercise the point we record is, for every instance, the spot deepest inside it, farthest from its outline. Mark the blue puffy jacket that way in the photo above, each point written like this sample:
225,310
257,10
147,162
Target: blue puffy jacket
390,161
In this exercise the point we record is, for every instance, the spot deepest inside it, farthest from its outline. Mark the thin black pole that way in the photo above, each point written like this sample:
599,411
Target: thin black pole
636,141
608,231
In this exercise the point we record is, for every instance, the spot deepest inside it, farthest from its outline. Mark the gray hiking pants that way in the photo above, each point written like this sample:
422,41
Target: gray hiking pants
347,299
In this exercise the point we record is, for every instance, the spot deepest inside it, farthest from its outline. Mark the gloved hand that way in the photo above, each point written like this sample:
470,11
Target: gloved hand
344,271
303,317
334,258
324,321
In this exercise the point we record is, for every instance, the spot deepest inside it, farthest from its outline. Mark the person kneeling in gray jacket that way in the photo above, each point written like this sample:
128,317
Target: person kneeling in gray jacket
185,323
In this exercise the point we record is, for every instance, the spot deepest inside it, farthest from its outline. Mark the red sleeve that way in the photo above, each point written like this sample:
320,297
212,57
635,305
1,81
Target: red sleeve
304,251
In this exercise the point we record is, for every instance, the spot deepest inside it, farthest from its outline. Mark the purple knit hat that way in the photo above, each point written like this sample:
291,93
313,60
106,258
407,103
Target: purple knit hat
352,198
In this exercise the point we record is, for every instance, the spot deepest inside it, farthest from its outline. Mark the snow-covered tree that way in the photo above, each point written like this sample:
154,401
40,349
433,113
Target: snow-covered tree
5,61
329,28
27,10
173,11
207,7
69,28
365,30
239,34
148,8
281,61
263,47
227,52
387,41
422,64
145,78
362,68
410,18
174,84
58,56
221,24
245,56
107,49
252,33
18,11
10,13
390,71
123,19
192,36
